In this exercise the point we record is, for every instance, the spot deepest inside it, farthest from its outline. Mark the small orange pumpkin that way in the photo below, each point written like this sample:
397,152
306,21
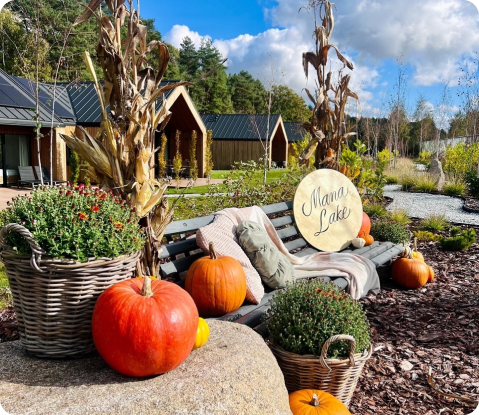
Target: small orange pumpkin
409,271
315,402
368,239
202,334
431,274
365,225
217,284
415,253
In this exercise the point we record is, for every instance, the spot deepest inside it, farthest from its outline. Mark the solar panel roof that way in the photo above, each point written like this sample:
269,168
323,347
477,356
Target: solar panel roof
10,96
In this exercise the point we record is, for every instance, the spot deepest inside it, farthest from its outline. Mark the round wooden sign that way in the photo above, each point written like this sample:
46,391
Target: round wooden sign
327,210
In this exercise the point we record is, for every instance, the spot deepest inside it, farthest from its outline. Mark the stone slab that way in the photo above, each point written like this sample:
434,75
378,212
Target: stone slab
234,373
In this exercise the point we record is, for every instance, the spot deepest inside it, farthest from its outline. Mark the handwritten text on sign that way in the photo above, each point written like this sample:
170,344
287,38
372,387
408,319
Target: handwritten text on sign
327,210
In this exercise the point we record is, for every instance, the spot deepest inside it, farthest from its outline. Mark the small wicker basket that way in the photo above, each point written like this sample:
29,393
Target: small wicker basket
54,299
335,376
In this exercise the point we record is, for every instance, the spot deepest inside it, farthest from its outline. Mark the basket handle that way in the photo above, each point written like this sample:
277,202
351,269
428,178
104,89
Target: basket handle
37,250
327,343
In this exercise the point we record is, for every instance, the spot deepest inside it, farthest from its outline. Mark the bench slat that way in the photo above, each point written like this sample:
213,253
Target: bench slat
188,225
180,247
287,232
180,265
277,207
378,250
297,243
282,221
388,255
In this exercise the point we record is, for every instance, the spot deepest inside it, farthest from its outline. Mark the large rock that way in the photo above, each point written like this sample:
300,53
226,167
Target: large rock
435,170
234,373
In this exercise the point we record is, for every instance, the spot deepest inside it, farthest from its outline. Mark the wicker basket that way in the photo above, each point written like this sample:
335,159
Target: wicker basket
54,299
335,376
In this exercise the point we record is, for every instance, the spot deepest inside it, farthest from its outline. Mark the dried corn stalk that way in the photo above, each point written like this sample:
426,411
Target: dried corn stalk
327,129
122,156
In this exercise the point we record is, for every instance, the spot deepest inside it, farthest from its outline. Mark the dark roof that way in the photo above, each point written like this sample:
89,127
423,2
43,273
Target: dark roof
294,131
17,105
63,108
239,126
86,104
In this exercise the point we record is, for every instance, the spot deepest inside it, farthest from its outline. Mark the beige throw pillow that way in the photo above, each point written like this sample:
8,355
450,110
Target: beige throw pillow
222,232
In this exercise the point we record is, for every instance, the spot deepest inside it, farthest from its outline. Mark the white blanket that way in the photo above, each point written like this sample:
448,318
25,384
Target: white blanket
360,272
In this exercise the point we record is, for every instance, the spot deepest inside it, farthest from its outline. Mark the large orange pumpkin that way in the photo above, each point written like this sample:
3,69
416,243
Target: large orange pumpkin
217,284
365,225
316,402
144,328
409,271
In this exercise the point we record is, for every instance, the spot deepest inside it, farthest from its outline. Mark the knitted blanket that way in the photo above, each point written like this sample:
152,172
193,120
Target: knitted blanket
360,272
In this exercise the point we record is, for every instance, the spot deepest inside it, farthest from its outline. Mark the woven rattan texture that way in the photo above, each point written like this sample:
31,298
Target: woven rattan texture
308,372
54,306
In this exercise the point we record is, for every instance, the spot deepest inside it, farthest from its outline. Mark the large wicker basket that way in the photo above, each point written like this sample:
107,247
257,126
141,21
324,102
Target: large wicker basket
54,299
335,376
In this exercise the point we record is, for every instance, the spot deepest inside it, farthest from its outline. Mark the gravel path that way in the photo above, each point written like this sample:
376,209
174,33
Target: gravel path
422,205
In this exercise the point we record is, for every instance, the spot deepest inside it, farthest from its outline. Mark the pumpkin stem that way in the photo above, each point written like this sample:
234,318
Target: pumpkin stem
414,246
314,400
212,251
146,290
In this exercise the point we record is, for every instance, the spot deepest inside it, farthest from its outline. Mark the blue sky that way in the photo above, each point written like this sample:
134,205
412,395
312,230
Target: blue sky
434,40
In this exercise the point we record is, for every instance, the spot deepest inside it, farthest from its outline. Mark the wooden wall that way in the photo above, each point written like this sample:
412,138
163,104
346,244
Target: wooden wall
225,153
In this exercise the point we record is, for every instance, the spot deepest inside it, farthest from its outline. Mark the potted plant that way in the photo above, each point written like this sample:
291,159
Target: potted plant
320,337
62,247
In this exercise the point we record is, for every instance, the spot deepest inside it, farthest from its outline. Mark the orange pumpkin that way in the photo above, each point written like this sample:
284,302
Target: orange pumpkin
315,402
365,225
431,274
368,239
409,271
217,284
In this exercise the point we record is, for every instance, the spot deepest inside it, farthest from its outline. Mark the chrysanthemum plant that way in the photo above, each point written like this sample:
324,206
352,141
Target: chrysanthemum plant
122,155
327,127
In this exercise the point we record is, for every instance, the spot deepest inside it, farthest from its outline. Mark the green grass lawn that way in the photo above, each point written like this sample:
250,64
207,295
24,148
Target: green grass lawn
272,175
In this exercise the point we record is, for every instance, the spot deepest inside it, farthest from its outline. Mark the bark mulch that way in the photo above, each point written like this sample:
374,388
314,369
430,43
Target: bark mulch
413,330
436,326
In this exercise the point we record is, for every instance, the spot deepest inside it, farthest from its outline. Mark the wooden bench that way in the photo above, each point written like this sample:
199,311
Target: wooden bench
182,251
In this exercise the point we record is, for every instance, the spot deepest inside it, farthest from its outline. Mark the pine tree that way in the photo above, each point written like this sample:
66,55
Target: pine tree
189,60
248,95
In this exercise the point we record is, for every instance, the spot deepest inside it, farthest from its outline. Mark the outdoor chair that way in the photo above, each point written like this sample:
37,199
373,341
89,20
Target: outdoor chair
46,176
27,177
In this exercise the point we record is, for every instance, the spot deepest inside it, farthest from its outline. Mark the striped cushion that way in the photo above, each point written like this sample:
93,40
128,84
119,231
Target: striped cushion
222,232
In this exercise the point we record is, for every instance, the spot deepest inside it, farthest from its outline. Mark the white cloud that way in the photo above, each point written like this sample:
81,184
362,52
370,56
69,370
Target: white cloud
178,32
431,35
434,37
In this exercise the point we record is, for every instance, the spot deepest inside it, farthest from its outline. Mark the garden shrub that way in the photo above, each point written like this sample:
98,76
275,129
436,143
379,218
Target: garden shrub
424,183
461,159
390,179
367,176
433,223
460,240
426,236
74,167
408,183
399,216
307,313
388,231
457,188
472,181
425,158
374,210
